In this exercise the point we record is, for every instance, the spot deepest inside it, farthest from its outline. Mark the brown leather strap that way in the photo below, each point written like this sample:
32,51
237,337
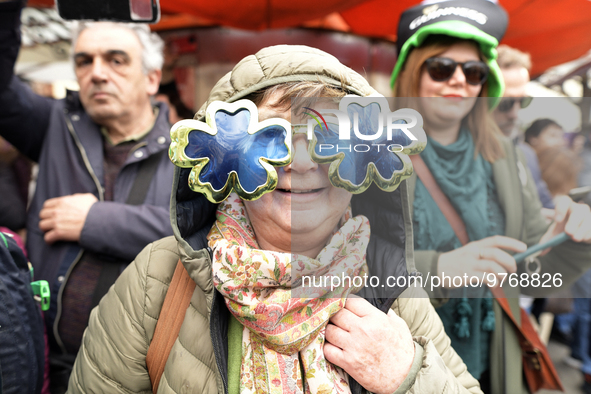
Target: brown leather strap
500,296
533,350
454,220
172,315
526,328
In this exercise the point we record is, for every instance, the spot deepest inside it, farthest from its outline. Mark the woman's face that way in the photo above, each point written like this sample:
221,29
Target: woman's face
305,208
451,100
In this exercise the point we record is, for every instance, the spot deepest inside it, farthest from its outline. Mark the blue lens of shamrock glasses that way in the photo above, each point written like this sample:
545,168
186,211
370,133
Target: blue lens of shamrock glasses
366,143
236,151
233,151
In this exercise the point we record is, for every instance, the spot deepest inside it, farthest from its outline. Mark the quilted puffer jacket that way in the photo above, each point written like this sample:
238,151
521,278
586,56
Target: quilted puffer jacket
113,353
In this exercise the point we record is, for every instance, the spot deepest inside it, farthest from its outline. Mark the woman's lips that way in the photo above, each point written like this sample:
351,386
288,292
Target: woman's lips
299,191
300,195
455,98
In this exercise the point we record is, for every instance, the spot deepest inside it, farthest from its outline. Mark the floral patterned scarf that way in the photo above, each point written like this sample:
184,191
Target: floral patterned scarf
282,334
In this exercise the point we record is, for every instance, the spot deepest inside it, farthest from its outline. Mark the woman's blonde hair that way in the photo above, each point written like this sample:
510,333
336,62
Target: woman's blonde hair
479,121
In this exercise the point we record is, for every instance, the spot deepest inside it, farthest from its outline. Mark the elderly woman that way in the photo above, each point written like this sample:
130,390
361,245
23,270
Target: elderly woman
447,68
230,249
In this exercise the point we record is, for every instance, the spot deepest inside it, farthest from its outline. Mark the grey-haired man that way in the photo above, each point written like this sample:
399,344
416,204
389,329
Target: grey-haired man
104,176
515,66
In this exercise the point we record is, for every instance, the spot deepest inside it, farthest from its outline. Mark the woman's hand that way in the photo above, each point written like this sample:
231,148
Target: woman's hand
572,218
479,258
375,349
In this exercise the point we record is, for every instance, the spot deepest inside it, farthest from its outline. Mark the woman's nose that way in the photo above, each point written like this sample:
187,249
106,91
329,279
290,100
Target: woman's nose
302,162
458,75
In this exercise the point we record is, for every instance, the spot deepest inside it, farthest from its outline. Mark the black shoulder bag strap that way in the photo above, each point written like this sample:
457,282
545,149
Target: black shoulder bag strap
139,189
137,195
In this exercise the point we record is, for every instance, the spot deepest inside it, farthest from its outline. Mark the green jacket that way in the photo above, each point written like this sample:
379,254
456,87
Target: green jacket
112,356
519,199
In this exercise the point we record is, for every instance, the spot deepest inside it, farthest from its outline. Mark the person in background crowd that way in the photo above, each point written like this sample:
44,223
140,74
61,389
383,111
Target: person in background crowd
169,94
566,171
585,180
560,169
545,133
515,66
173,115
104,179
576,141
448,62
168,91
13,203
21,340
585,174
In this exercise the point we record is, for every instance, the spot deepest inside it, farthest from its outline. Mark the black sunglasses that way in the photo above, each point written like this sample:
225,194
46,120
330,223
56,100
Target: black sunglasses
507,104
441,69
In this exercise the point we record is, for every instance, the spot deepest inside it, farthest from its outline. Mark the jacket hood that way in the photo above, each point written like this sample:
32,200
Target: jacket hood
192,215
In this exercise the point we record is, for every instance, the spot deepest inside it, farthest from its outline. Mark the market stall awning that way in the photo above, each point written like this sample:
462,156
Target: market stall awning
553,32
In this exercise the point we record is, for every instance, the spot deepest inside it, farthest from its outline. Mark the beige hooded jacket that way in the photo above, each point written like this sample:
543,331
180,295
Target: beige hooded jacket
113,353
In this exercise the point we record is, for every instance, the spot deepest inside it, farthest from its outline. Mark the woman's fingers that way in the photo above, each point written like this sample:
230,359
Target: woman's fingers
336,336
344,318
499,258
334,354
480,257
562,206
503,242
572,218
579,222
